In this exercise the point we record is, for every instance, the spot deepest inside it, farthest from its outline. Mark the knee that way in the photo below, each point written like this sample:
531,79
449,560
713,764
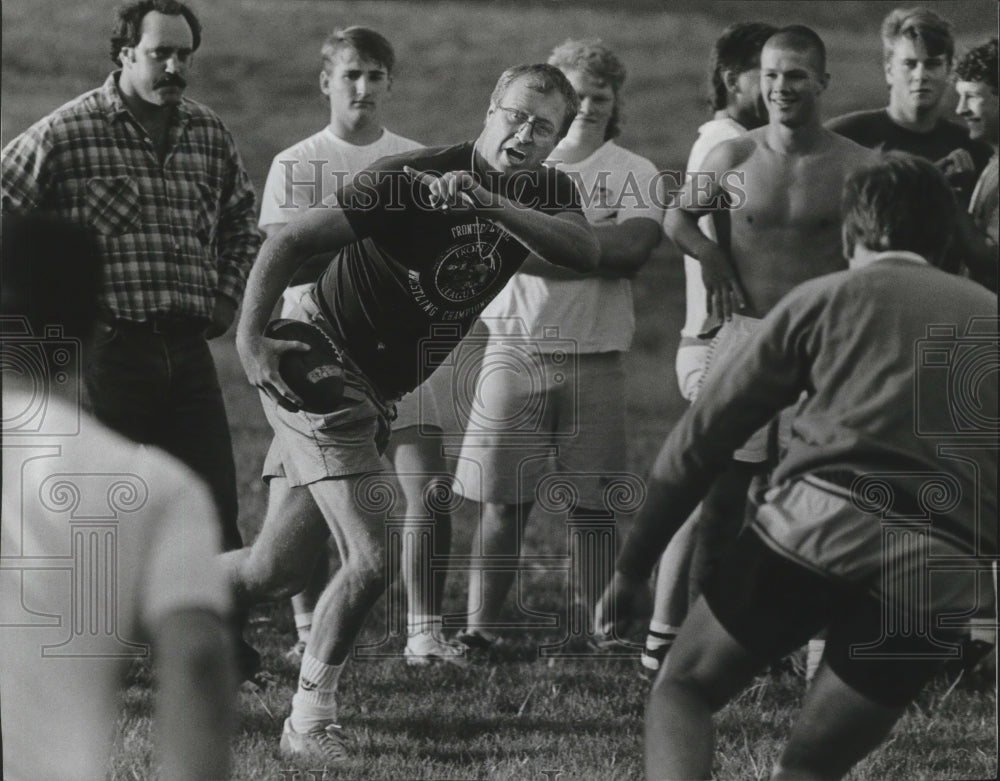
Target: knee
267,578
369,564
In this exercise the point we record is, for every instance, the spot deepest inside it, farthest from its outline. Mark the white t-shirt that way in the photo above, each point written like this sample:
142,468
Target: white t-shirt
319,165
100,539
596,313
712,133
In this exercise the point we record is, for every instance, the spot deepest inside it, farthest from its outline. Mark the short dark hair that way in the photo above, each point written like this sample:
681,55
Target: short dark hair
737,50
594,58
369,44
918,24
543,78
128,22
980,64
800,38
50,274
899,202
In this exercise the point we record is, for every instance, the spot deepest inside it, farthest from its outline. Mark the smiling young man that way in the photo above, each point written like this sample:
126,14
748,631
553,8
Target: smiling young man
782,229
422,242
918,52
824,552
581,415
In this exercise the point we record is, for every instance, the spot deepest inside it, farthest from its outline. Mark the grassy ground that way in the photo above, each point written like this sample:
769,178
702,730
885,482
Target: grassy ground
524,716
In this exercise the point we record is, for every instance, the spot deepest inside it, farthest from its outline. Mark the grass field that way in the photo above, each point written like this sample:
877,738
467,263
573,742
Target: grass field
524,717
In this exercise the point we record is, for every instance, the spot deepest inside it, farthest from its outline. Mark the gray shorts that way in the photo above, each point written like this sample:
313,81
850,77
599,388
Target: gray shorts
537,414
349,441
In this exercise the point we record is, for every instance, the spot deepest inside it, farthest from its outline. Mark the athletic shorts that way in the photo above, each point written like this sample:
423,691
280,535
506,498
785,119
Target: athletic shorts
418,408
349,441
880,642
731,341
692,355
536,415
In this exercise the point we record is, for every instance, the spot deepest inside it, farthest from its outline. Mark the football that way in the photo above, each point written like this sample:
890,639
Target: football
316,376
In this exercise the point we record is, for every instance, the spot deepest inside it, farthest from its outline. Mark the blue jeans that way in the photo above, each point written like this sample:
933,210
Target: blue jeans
158,386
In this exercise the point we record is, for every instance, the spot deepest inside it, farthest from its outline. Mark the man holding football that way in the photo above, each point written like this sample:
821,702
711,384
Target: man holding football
424,240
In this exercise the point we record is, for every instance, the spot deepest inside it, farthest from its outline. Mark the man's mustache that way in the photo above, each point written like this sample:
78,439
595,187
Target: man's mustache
170,80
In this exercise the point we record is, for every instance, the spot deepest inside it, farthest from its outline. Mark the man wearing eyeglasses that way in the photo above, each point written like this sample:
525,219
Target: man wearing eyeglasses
423,241
549,395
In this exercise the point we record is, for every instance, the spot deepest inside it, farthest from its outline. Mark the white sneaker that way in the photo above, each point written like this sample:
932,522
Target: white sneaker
325,743
425,648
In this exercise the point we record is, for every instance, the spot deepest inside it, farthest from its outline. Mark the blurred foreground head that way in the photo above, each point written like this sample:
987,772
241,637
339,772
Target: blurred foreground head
50,275
899,202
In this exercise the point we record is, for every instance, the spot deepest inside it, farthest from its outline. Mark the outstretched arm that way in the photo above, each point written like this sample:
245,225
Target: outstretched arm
564,239
625,247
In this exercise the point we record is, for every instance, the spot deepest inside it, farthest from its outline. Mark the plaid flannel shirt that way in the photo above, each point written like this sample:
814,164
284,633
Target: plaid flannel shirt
173,235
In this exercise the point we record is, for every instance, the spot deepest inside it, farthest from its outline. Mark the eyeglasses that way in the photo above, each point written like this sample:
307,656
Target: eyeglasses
541,128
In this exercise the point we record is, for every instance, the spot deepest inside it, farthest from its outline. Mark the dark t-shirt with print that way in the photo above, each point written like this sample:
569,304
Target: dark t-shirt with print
402,297
876,130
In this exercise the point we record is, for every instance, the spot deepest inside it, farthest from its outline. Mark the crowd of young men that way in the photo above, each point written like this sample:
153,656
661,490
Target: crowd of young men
536,227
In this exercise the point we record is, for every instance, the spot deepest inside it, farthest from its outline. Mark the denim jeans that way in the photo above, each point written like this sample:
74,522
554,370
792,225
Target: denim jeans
159,386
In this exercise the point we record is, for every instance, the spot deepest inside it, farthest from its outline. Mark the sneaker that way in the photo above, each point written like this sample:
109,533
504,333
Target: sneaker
327,743
295,653
426,648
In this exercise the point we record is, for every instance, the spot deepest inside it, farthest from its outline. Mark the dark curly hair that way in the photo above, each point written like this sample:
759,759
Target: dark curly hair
979,64
128,22
737,50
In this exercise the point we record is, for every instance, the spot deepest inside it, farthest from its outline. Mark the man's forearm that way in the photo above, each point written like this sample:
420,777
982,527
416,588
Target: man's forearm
559,239
682,227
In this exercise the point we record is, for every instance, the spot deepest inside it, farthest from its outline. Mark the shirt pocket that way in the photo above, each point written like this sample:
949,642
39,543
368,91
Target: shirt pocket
113,205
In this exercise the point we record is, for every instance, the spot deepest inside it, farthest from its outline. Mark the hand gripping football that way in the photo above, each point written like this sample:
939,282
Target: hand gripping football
316,376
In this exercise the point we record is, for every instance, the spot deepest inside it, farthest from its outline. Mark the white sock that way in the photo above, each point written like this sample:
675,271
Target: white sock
423,625
303,623
315,701
814,656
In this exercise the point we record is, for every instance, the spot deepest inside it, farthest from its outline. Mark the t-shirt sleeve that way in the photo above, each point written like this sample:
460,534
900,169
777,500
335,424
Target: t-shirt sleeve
640,198
181,569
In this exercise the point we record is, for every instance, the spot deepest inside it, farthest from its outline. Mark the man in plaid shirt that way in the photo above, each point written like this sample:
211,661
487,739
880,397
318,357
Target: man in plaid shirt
159,181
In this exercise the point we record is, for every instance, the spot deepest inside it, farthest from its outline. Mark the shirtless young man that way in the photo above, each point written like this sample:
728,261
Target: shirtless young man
781,184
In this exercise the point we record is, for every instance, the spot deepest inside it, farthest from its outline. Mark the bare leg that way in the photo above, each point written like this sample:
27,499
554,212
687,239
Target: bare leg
421,471
835,729
670,603
276,565
707,669
499,534
363,575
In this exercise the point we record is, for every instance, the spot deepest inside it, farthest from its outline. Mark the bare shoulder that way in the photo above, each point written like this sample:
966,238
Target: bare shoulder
731,153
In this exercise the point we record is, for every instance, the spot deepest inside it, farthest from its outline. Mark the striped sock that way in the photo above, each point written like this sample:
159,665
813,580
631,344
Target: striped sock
423,625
